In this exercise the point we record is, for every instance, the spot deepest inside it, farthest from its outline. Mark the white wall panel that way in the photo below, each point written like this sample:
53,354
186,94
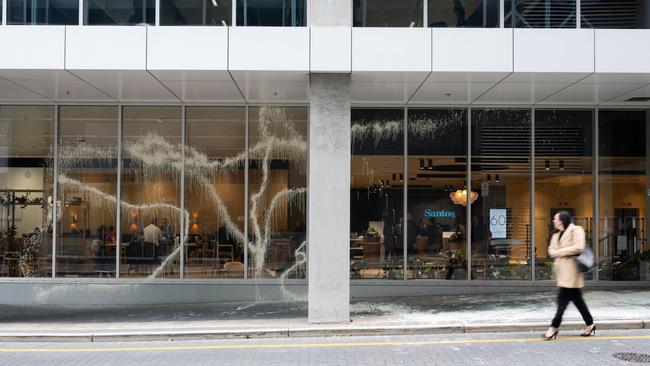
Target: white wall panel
32,47
391,49
554,50
187,48
473,50
331,49
623,50
106,48
269,49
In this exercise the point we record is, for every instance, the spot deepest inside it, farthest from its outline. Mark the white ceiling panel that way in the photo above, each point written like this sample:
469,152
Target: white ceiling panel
466,77
273,87
589,93
545,77
10,92
519,93
385,87
127,85
57,85
449,93
640,92
200,86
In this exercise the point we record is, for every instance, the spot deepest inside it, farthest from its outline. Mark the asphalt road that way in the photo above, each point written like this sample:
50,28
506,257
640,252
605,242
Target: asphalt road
443,349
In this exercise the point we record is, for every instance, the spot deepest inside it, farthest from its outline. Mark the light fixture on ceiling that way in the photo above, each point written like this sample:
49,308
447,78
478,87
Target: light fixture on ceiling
421,165
215,3
561,164
429,164
489,177
547,165
497,178
459,197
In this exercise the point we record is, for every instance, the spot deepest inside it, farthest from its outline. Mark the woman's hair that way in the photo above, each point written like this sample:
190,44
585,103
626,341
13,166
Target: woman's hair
565,218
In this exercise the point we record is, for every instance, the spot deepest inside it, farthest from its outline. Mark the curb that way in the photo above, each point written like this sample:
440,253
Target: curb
135,336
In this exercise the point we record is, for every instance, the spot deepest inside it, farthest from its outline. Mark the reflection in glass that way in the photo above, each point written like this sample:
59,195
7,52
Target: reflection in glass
62,12
86,243
214,191
387,13
271,13
463,13
623,207
277,187
501,151
377,194
631,14
26,177
150,207
195,12
119,12
540,14
437,163
563,177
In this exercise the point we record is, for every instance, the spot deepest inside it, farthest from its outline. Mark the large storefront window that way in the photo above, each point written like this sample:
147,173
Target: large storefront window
377,194
501,163
26,190
563,177
623,207
150,207
277,189
387,13
87,242
60,12
437,199
196,12
214,191
463,14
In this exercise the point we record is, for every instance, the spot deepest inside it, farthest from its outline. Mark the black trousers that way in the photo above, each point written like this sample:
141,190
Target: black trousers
566,295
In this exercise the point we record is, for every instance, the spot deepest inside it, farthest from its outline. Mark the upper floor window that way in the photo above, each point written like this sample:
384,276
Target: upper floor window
387,13
540,13
620,14
61,12
119,12
196,12
272,13
463,13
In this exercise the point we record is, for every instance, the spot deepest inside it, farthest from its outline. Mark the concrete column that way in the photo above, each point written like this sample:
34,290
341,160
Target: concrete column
329,198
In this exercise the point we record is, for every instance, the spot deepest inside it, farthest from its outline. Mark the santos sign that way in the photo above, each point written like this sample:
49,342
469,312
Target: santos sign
441,213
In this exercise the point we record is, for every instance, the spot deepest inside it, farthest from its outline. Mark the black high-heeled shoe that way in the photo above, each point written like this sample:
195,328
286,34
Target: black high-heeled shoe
592,331
552,336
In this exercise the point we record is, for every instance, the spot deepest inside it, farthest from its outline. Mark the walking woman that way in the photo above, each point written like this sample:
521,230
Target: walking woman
568,241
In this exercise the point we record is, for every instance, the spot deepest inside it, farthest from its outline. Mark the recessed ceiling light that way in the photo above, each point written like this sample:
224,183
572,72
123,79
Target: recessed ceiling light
638,99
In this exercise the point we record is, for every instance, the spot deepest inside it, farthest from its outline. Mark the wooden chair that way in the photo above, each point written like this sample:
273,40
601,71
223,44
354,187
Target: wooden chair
233,270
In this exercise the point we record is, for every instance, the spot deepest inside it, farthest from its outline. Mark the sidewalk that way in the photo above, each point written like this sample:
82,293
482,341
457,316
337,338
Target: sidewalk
386,316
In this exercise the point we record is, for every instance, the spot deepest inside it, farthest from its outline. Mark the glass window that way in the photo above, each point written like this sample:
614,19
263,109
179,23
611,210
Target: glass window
377,194
563,177
151,213
619,14
64,12
271,13
501,237
119,12
623,206
277,184
86,243
437,193
26,177
540,13
196,12
463,13
214,191
387,13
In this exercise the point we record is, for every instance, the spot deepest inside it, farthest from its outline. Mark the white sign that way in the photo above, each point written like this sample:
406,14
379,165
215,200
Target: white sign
498,221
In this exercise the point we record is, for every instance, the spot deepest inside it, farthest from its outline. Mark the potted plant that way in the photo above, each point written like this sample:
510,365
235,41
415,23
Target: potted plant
371,234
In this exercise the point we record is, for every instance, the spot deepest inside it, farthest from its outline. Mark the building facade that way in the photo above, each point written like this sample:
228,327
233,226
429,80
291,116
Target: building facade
195,151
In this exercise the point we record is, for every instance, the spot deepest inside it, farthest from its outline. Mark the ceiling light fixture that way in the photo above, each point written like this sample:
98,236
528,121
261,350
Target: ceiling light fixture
215,3
459,197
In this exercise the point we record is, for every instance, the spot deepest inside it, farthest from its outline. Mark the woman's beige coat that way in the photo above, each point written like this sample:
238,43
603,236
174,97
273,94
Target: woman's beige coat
572,242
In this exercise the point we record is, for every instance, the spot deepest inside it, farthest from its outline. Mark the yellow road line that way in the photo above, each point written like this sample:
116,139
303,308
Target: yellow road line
310,345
